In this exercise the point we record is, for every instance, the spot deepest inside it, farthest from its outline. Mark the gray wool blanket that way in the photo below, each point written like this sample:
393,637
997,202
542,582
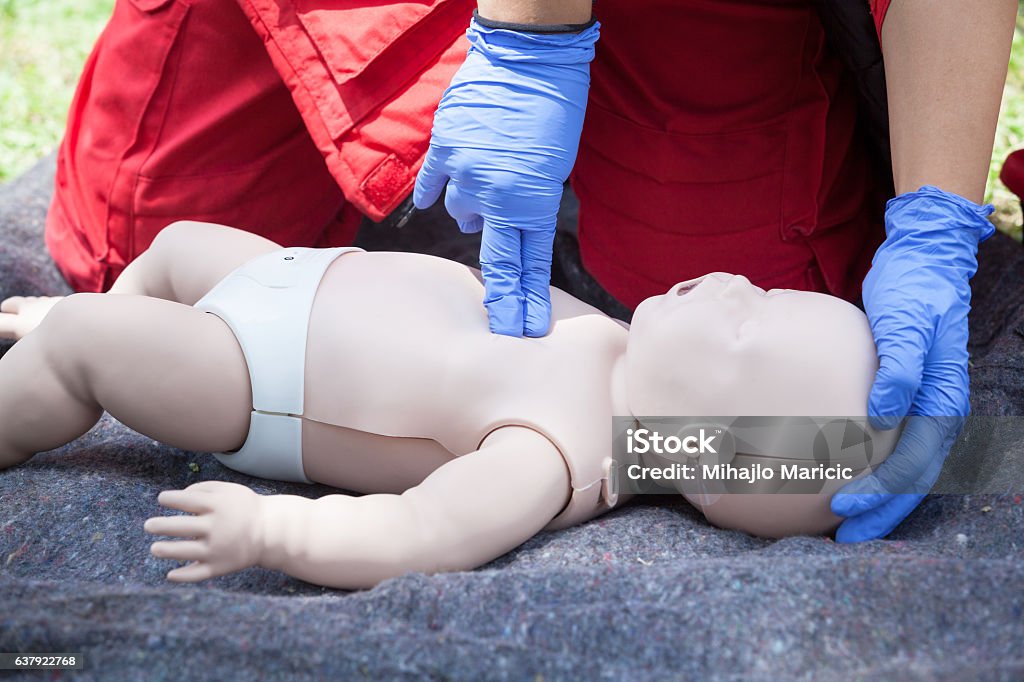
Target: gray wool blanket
650,591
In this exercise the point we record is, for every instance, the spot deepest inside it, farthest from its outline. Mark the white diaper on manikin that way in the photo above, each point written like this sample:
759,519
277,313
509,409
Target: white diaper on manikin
267,302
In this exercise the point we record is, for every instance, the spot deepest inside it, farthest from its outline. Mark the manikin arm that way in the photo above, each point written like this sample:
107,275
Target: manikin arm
469,511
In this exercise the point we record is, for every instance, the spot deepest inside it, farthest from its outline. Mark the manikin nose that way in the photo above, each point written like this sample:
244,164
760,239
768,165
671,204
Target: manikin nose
739,291
739,286
739,282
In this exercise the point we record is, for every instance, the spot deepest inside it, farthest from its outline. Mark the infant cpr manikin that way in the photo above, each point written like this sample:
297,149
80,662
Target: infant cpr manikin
390,383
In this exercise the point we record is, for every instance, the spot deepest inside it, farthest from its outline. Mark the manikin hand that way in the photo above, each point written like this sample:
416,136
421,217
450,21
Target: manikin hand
224,533
917,296
21,314
504,140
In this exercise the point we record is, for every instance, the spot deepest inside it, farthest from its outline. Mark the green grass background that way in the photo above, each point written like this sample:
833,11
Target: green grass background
43,44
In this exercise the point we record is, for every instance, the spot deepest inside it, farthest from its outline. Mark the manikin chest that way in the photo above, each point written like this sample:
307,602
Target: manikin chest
399,346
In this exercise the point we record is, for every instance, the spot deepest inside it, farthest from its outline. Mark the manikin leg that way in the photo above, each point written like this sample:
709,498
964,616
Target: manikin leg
162,368
184,262
187,259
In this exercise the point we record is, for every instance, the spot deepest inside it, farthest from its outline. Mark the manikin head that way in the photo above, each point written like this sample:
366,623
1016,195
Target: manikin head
718,345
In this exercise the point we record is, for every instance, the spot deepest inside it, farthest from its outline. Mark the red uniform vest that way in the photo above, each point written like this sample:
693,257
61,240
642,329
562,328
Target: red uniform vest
290,118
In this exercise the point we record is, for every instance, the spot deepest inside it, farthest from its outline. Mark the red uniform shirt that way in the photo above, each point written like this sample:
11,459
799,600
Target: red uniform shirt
727,142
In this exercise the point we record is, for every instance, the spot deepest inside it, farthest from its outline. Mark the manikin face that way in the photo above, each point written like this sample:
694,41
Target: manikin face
718,345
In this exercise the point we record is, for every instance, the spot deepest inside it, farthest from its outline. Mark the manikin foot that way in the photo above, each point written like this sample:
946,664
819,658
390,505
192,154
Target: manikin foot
21,314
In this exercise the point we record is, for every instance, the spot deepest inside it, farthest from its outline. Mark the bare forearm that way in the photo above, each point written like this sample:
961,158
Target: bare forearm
536,11
945,67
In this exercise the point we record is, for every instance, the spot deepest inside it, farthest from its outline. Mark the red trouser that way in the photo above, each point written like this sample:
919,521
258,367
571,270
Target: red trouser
719,135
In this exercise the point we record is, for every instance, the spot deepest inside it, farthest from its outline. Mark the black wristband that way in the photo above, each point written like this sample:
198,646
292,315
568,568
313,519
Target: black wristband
534,28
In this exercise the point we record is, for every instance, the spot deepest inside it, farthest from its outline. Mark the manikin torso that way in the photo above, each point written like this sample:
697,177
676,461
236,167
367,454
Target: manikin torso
400,378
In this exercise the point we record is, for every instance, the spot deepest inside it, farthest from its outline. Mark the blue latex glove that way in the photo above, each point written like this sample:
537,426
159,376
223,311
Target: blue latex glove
917,298
505,137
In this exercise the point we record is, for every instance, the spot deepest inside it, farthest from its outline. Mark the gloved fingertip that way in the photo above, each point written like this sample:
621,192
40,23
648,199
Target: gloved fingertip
505,315
505,330
538,319
430,181
879,522
852,504
869,525
858,497
850,532
471,226
424,197
535,331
